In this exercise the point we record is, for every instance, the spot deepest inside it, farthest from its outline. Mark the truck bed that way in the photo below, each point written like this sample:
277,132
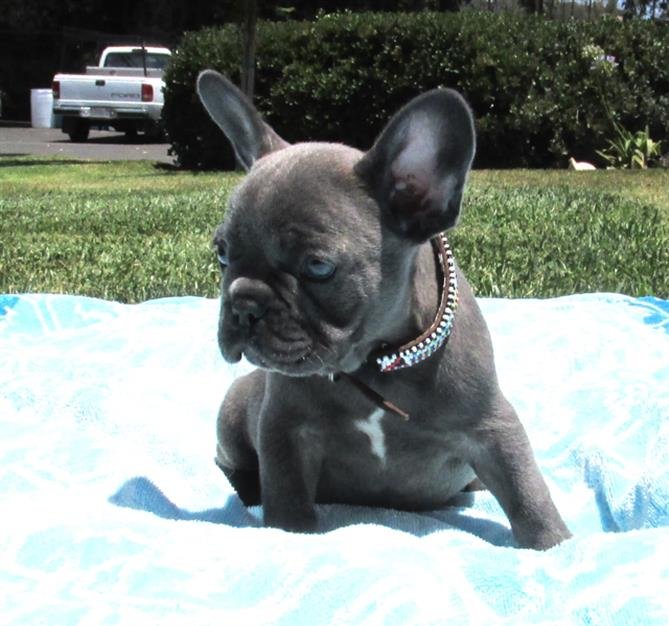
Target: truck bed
94,70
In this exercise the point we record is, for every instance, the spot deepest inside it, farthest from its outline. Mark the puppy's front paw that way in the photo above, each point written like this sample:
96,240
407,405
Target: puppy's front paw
292,521
543,538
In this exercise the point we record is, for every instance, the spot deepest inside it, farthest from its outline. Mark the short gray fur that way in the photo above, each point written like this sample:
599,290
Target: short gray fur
288,436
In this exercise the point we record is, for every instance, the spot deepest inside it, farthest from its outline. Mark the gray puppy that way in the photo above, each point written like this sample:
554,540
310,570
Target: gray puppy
377,384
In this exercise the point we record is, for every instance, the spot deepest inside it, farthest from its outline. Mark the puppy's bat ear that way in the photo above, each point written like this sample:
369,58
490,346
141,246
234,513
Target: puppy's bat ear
418,166
231,110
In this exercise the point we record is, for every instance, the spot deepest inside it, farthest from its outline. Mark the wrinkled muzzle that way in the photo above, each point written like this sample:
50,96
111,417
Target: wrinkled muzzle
268,331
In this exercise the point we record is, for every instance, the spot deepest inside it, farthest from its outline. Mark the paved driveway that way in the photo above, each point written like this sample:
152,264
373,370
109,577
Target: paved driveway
101,145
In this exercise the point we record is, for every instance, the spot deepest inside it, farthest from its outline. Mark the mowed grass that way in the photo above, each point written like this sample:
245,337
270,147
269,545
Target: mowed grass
120,231
551,233
129,231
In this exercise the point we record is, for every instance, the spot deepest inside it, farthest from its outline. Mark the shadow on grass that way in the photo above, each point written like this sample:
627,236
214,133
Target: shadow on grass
169,168
115,139
23,160
15,160
173,167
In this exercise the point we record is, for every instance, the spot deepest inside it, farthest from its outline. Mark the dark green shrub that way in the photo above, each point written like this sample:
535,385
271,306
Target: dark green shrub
540,90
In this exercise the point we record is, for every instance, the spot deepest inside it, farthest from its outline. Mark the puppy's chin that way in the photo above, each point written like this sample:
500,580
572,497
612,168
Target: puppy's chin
300,359
306,364
232,353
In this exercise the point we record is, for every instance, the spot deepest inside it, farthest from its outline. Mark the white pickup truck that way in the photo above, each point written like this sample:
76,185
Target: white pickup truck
124,91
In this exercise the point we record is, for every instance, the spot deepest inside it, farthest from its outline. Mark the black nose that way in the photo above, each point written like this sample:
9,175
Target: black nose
249,300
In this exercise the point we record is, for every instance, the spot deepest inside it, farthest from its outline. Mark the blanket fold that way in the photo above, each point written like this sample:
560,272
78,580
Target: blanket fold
115,513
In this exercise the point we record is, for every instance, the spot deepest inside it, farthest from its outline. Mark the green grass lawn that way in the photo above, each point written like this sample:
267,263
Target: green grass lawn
129,231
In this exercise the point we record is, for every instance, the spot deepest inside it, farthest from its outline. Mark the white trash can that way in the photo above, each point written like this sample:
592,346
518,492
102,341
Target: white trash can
41,108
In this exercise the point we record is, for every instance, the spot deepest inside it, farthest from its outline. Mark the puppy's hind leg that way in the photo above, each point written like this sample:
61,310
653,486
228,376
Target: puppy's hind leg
245,482
465,497
235,428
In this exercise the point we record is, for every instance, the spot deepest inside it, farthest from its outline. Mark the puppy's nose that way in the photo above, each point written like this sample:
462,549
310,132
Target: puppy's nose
249,299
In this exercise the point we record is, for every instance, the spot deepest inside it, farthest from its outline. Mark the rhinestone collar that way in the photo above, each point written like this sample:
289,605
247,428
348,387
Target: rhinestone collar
423,347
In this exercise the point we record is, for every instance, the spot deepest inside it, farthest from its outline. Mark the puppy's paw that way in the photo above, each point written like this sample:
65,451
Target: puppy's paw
543,538
292,521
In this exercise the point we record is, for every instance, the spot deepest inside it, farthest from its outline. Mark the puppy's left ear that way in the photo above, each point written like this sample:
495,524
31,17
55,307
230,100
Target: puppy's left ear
418,166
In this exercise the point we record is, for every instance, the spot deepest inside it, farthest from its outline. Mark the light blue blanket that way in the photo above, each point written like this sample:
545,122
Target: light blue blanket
113,511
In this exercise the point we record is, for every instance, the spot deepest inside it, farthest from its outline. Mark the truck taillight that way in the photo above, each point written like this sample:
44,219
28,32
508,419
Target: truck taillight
55,88
147,92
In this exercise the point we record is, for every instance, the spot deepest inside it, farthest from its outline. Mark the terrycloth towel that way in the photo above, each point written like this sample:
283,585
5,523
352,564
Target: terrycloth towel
113,511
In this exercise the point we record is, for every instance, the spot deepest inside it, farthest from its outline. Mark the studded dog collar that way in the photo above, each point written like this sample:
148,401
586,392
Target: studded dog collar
423,347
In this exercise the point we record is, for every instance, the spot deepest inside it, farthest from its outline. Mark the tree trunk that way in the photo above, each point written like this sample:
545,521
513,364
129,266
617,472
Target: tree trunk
249,20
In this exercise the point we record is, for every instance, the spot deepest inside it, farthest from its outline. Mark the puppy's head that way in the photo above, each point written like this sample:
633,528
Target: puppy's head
318,243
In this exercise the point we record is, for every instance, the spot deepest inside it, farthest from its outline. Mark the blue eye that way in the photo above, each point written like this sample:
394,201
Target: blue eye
222,257
318,269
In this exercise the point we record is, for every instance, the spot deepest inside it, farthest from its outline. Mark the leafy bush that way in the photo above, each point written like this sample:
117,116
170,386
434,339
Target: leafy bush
631,150
194,138
541,90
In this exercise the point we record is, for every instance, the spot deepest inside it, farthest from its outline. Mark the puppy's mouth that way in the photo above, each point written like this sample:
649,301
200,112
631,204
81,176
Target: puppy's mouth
307,361
296,362
290,349
292,358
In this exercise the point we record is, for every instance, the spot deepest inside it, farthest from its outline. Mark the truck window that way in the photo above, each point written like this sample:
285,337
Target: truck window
136,59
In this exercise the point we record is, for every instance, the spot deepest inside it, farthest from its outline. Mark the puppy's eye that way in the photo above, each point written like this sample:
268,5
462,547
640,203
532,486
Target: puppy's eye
318,269
222,256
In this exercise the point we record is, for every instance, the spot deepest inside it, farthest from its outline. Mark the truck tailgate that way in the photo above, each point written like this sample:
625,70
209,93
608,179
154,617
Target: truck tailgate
100,90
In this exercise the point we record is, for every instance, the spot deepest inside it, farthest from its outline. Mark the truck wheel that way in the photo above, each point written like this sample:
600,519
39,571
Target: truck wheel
155,132
79,130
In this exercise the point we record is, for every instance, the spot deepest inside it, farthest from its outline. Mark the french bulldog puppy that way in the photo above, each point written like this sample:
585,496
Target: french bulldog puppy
332,260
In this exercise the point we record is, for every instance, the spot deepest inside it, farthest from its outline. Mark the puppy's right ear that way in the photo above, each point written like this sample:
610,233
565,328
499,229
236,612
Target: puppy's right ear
231,110
418,166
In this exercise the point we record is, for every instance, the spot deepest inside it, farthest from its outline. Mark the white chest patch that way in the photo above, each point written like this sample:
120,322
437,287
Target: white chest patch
372,428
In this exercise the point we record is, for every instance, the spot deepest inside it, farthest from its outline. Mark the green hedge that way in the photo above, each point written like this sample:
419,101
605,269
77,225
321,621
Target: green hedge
540,90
